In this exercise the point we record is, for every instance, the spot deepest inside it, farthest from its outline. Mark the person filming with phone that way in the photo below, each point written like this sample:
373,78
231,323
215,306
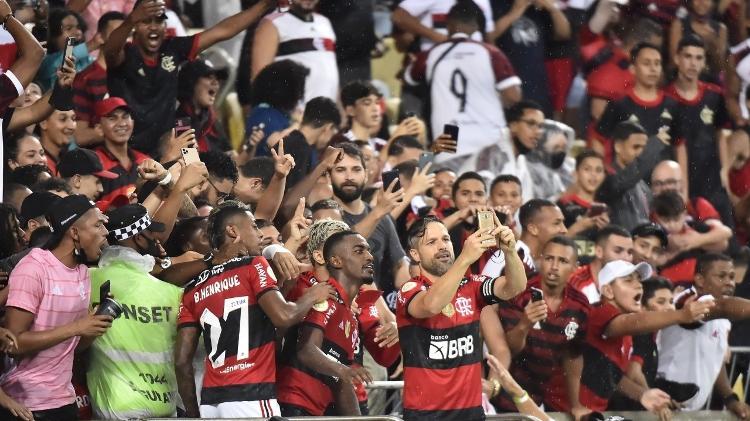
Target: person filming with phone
441,307
545,327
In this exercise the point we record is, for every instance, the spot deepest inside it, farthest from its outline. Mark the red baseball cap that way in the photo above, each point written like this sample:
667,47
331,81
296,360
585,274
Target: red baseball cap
108,105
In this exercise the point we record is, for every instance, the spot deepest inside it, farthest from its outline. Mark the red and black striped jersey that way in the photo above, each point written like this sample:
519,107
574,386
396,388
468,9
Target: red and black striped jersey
604,359
89,87
540,361
222,302
303,386
442,354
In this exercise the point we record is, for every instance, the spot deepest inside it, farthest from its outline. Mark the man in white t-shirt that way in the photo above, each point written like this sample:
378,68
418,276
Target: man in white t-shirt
15,79
695,353
469,83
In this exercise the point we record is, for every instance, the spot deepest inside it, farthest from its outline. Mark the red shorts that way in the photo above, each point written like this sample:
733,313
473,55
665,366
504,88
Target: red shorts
560,74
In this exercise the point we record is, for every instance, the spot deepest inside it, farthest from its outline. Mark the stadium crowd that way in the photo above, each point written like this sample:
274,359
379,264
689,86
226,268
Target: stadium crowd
550,213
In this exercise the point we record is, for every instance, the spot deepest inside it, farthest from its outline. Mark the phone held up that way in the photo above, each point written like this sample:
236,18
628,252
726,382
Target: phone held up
69,44
486,222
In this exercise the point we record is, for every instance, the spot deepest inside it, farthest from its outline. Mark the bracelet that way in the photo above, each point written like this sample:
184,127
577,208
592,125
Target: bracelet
6,18
521,399
166,180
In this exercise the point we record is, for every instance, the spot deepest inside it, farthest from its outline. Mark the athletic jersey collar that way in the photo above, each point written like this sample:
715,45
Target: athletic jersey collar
342,295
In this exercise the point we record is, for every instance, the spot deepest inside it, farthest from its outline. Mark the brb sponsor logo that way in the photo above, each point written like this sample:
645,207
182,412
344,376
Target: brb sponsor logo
442,348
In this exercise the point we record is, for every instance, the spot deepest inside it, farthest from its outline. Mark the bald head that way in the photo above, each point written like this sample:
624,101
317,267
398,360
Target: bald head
667,175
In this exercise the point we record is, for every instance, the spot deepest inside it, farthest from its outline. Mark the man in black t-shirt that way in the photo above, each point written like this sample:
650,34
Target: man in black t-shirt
703,115
644,104
144,72
319,123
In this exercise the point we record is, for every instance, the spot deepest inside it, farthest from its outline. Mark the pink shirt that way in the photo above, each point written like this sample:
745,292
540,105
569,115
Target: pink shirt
97,8
56,295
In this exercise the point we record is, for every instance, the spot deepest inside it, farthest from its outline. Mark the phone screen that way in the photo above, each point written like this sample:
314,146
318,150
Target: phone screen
69,44
182,124
536,294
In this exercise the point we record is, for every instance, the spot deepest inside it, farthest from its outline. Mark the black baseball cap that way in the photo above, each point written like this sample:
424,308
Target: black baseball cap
130,220
650,229
64,214
82,161
36,205
191,71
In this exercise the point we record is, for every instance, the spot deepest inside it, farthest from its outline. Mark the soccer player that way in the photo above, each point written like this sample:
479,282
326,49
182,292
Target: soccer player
545,336
235,304
321,372
438,317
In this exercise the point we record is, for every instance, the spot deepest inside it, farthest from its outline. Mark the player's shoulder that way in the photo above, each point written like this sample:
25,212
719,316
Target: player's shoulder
219,269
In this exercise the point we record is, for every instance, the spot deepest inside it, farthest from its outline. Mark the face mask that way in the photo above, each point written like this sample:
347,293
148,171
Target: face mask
557,159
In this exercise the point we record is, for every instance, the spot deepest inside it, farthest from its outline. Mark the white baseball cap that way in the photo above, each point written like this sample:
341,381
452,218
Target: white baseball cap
620,268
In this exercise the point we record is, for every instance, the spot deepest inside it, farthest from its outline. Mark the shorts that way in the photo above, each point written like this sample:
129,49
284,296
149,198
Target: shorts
242,409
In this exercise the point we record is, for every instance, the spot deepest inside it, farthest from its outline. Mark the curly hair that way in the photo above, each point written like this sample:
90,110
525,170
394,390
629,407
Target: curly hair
281,85
320,230
9,241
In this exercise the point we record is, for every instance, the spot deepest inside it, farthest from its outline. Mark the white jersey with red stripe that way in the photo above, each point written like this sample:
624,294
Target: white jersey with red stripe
433,14
312,44
466,77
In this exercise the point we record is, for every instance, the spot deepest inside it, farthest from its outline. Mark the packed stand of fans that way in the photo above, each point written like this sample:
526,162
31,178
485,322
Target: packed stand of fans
550,213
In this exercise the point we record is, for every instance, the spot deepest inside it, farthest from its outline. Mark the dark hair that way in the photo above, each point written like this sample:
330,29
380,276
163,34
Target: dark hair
320,111
181,234
54,26
325,204
516,111
563,241
28,175
586,154
352,151
692,40
40,236
52,185
418,229
263,223
261,167
218,219
668,204
468,175
8,230
650,229
636,51
398,145
530,209
358,89
610,230
281,85
333,241
641,30
108,17
705,261
220,165
468,13
12,143
407,169
505,178
653,284
623,130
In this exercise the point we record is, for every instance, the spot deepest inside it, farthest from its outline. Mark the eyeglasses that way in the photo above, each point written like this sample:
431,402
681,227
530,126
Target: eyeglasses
220,195
533,124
